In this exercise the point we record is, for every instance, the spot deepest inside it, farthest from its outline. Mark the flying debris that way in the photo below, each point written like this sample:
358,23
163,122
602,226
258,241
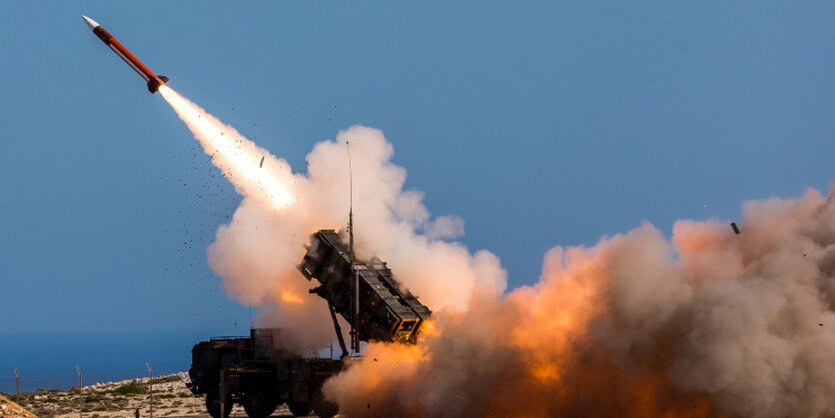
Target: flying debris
735,228
154,81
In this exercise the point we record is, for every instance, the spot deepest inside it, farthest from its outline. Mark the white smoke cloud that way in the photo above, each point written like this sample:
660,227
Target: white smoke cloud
256,254
707,324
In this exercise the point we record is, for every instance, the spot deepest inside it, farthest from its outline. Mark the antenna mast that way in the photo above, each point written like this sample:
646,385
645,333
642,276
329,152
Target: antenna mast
355,341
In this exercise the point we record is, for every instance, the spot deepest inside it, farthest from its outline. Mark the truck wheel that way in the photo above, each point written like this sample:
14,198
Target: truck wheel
299,409
325,409
213,405
259,404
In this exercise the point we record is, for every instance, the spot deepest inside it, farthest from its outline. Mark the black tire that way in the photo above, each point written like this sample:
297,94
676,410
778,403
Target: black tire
299,408
213,405
259,404
325,409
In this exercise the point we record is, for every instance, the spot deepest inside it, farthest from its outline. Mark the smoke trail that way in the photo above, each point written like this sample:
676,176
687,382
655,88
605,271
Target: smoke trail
237,157
256,254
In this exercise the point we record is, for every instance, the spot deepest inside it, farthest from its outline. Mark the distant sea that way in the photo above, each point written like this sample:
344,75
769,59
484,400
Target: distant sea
48,360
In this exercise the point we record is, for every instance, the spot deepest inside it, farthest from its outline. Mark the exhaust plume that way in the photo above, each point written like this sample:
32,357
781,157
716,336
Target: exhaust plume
706,324
256,254
236,156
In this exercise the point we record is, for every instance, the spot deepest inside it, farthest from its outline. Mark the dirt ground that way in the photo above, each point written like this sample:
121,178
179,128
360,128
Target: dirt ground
9,408
171,398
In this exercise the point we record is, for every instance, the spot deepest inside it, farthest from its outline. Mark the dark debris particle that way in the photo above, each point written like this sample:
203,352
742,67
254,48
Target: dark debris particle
735,228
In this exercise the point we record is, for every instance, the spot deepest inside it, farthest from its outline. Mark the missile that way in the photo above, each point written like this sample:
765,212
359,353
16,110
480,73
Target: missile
154,81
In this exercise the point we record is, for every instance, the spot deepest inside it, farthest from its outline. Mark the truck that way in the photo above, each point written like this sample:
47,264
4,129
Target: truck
260,373
256,372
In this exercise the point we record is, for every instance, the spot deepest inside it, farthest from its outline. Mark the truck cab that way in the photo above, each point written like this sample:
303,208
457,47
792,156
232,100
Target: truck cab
259,374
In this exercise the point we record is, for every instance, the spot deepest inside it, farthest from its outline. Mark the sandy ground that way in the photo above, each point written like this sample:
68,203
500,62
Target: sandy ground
171,398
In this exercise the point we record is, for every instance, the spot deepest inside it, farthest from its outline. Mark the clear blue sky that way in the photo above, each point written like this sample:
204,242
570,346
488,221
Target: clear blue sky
540,123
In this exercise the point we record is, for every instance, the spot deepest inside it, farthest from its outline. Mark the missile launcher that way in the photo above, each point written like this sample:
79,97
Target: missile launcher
386,312
260,372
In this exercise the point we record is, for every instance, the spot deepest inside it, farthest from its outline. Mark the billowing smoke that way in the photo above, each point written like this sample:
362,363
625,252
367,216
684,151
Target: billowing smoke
256,254
709,323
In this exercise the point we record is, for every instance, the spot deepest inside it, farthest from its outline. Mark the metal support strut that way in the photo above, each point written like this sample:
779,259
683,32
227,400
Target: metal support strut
338,331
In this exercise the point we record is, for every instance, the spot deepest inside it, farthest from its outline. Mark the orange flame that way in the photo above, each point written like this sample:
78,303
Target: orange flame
290,297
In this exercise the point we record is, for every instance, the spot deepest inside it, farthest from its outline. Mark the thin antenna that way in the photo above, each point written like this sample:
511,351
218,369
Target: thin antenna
350,198
17,385
355,343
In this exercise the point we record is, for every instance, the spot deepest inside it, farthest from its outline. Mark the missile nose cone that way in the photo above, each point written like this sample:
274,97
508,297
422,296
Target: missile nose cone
92,24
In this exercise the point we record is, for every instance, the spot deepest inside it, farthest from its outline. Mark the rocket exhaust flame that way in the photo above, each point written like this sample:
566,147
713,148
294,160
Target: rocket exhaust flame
240,160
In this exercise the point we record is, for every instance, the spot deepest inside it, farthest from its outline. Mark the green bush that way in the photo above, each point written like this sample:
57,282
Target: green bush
94,398
164,379
131,388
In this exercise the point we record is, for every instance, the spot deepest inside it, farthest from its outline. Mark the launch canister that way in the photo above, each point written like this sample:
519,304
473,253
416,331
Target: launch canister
154,81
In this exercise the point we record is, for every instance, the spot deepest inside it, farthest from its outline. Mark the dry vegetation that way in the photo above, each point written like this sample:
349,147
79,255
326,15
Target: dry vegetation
116,399
171,397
